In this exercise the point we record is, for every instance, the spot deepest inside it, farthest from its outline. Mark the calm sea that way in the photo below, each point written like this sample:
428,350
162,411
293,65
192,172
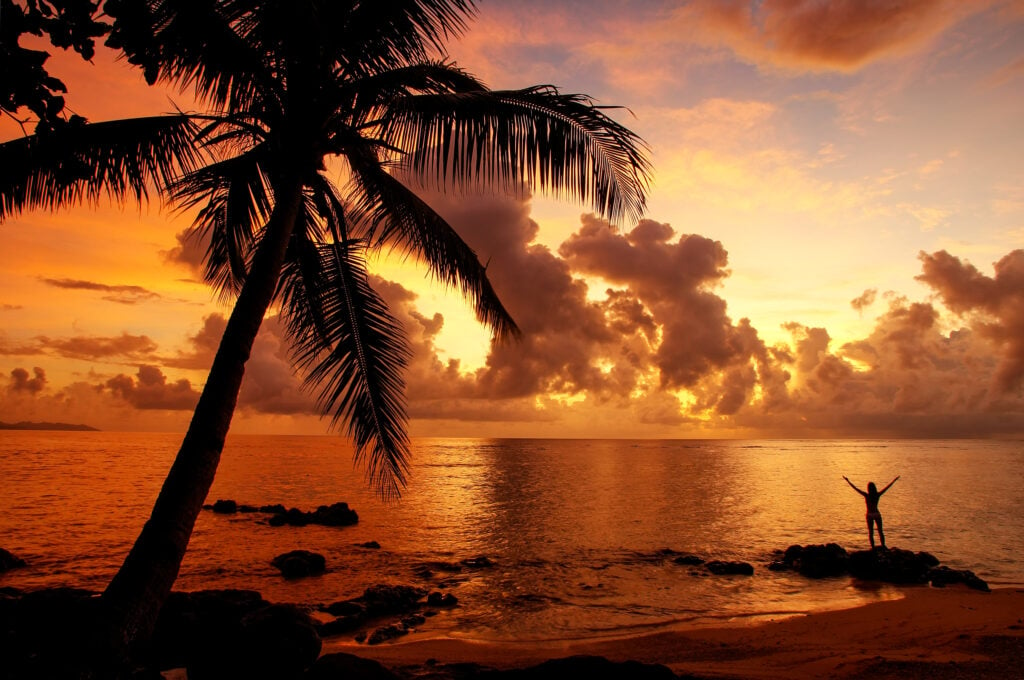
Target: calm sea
573,527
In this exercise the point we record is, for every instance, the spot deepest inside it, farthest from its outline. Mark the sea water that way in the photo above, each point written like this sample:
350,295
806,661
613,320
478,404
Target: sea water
576,530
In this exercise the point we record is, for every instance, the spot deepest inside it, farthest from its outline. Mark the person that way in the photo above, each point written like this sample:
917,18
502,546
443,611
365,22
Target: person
874,517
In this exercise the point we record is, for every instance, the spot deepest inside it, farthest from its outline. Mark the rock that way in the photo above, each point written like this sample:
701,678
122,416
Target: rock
383,599
335,515
438,599
689,560
276,509
587,667
225,507
413,620
339,625
276,642
479,562
386,633
10,561
369,545
248,508
345,608
200,630
722,568
300,563
340,665
816,561
940,577
892,565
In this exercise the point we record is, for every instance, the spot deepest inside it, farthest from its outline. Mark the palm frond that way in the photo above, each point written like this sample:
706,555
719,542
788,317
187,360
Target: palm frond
118,158
563,143
235,197
354,354
392,214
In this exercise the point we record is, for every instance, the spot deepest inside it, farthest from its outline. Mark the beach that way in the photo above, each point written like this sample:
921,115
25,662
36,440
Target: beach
931,632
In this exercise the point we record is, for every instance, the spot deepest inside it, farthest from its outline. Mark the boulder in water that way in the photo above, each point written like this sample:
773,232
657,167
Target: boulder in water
891,565
225,506
9,561
725,568
940,577
814,561
300,563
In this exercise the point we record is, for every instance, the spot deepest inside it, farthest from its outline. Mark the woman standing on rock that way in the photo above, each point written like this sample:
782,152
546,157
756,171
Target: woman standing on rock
873,515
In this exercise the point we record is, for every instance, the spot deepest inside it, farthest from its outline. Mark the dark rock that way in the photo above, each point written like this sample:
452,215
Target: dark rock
225,507
278,641
300,563
339,665
9,561
891,565
479,562
371,545
447,567
386,633
276,509
248,508
940,577
336,515
422,571
413,620
345,608
339,625
587,667
689,560
381,600
816,561
438,599
723,568
198,630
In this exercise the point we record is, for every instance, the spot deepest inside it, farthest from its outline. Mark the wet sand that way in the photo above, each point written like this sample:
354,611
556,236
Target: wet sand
931,633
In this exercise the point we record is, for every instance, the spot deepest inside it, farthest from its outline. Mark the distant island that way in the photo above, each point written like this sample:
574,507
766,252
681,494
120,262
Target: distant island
25,425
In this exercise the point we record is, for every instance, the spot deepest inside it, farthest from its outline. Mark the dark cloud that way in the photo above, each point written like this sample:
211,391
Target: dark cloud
190,252
125,295
125,346
865,299
809,34
149,389
21,382
996,302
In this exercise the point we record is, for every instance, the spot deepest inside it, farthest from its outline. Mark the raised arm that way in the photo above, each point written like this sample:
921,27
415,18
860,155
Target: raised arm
887,485
854,487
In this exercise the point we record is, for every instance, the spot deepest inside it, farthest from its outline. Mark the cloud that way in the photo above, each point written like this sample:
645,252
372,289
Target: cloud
125,346
10,308
808,35
996,301
21,382
149,389
864,300
125,295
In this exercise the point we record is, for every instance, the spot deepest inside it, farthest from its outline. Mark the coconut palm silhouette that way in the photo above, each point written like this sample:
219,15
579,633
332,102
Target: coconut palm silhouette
291,86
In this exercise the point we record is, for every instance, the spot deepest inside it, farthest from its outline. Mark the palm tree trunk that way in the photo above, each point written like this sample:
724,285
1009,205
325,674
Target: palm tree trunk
139,589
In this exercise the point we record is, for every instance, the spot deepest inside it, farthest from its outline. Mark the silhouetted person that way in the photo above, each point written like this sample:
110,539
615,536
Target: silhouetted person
873,516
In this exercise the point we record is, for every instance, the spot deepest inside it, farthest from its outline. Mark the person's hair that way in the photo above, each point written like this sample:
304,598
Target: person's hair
872,488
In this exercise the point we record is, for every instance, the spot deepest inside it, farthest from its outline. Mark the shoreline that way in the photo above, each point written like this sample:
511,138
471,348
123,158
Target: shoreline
919,634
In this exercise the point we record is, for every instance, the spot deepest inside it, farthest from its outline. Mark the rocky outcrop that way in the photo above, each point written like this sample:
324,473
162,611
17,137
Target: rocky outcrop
300,563
335,515
813,561
9,561
888,565
725,568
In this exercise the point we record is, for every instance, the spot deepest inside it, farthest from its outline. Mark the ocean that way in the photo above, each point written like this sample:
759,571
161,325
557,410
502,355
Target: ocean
575,529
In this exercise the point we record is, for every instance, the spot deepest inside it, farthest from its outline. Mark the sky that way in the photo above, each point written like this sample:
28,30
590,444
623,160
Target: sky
833,245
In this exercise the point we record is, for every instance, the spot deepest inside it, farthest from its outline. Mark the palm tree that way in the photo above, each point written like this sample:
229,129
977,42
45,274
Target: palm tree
291,85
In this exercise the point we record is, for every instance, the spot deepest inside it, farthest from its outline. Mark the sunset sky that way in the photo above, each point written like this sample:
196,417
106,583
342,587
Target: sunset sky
834,243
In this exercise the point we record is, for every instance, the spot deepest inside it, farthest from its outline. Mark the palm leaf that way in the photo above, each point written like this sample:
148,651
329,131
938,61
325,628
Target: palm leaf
354,354
391,213
560,142
83,162
235,197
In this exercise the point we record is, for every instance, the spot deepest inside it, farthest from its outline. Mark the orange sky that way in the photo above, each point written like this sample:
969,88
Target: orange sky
832,246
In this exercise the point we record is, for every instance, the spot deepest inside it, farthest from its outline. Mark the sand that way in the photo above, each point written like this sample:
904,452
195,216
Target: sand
930,633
